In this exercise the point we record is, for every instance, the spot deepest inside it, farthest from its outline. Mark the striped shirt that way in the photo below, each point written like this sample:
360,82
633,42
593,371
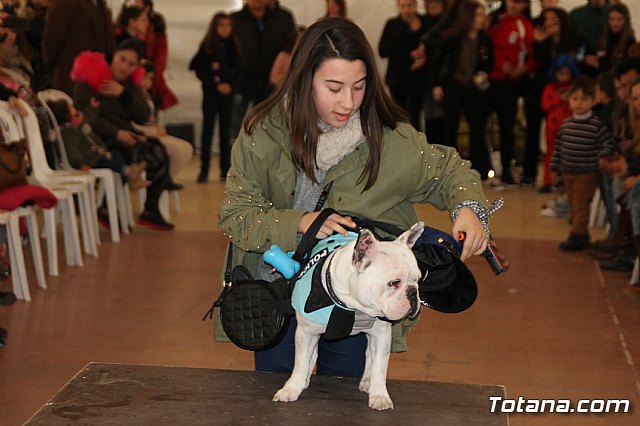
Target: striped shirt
580,143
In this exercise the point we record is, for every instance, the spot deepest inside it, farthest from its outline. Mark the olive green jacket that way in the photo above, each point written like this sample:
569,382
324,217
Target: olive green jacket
261,185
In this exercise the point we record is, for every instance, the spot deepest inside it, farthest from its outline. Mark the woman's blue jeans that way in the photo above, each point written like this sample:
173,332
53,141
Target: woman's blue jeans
344,357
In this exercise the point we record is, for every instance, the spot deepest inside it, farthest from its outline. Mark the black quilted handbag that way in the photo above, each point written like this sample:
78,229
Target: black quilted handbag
255,314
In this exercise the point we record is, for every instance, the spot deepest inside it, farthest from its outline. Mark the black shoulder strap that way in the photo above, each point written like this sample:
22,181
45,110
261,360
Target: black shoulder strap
227,271
309,239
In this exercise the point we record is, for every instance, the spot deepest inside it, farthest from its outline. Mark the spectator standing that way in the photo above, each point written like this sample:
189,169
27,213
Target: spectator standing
132,22
512,36
71,27
262,32
399,43
216,65
617,38
581,142
555,104
590,20
460,81
554,34
35,11
430,42
158,53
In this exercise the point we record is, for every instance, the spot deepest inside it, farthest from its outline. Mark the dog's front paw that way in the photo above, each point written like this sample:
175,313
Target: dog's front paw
380,402
365,383
286,395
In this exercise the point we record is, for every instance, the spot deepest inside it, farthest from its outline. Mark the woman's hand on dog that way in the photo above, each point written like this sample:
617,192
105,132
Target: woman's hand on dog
334,223
475,241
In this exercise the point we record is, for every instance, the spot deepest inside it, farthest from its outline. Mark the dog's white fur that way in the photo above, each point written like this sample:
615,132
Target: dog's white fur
372,277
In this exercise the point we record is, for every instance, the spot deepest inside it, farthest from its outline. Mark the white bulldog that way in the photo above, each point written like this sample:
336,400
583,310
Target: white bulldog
374,278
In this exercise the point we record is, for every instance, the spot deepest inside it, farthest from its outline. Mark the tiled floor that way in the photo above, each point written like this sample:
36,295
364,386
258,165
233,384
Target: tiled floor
554,326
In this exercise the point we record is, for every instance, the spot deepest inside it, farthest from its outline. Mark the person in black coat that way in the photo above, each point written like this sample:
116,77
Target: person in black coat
216,65
459,78
399,42
261,32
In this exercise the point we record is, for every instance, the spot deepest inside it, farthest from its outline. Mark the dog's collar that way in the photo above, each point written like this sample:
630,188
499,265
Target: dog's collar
332,294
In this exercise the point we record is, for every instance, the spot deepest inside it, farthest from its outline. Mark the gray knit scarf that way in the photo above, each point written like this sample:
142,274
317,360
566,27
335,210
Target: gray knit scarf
335,143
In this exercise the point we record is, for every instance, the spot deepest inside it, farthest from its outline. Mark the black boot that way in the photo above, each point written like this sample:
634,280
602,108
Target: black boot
154,220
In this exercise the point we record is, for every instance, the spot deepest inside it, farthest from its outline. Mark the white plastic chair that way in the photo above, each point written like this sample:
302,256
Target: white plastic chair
79,183
18,271
29,214
67,210
11,219
111,184
65,207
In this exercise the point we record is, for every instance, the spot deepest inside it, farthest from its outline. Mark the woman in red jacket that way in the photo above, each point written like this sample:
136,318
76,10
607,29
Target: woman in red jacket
512,37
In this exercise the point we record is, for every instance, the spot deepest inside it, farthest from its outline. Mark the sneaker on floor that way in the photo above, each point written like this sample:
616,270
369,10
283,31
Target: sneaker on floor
575,243
154,221
549,212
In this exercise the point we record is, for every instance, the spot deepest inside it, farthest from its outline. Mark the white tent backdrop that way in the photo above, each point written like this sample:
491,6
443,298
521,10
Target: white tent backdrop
187,22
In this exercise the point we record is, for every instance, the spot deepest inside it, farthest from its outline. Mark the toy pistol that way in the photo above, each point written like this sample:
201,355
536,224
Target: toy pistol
495,260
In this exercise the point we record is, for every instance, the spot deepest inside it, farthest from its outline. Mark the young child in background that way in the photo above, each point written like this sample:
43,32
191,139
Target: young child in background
179,150
216,65
555,104
582,140
86,150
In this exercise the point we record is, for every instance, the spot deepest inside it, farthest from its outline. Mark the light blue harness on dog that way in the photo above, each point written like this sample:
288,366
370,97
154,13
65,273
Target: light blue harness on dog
309,296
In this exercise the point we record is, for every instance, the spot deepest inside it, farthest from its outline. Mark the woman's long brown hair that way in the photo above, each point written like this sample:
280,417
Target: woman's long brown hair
331,38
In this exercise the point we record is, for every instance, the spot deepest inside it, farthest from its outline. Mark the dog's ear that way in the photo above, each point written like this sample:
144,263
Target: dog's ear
365,250
411,236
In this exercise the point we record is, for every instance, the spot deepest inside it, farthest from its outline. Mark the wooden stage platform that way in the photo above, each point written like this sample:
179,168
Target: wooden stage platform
125,394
